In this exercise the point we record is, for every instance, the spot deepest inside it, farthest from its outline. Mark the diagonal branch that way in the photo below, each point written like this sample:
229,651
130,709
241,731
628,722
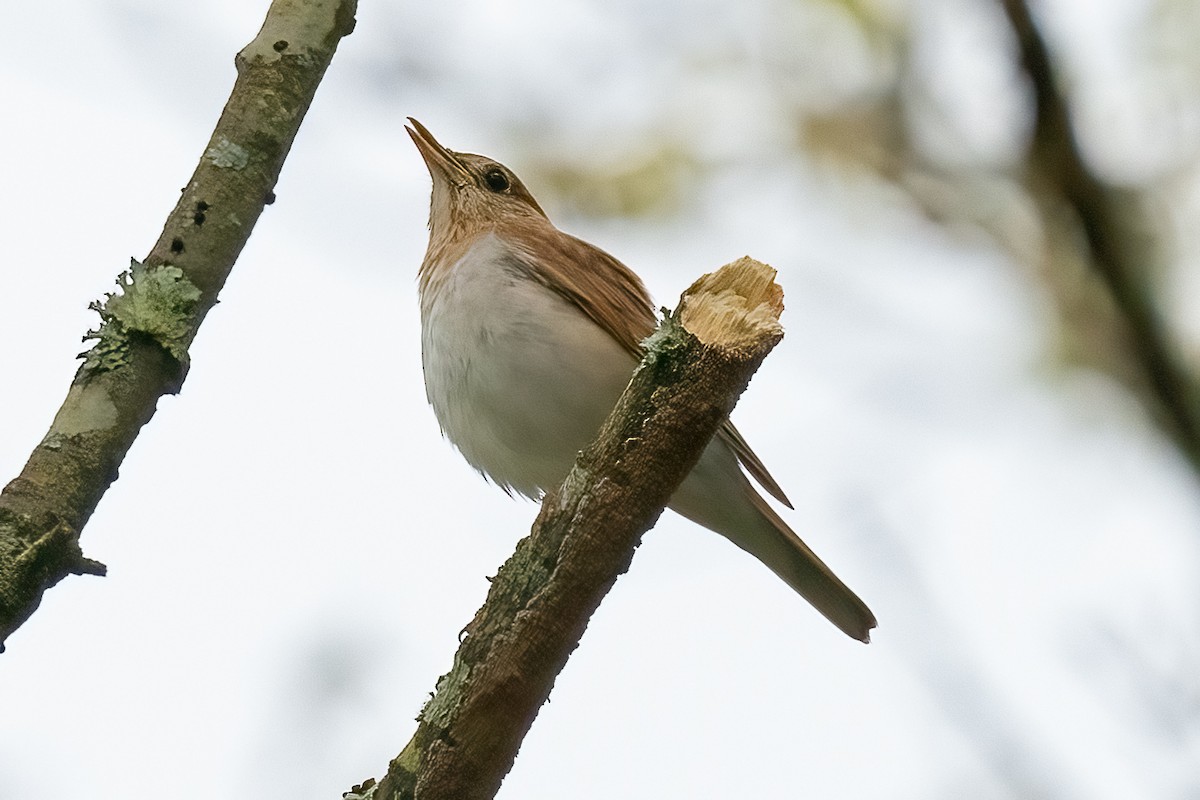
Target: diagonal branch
1058,166
141,346
696,365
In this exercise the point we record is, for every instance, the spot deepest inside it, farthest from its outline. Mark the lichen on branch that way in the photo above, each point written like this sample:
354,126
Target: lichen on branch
159,302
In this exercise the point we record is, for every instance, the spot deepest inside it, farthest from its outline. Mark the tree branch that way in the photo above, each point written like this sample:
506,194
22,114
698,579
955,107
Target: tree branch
141,346
697,364
1058,167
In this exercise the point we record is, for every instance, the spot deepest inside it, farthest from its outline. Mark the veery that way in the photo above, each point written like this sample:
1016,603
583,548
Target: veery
529,335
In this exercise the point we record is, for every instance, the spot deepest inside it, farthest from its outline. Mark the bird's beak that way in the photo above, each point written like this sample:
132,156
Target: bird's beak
440,161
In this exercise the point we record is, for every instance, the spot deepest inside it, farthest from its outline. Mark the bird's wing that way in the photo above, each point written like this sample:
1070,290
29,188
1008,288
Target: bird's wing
616,300
602,287
750,462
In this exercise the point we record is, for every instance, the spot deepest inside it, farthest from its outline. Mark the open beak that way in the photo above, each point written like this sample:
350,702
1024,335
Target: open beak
438,159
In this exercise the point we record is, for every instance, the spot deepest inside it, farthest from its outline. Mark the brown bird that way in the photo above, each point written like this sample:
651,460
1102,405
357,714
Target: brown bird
529,336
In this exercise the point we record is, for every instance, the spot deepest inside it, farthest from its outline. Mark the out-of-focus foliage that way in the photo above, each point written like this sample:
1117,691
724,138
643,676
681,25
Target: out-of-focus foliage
958,149
651,183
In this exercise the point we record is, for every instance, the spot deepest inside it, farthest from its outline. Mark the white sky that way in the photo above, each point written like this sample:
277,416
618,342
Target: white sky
293,549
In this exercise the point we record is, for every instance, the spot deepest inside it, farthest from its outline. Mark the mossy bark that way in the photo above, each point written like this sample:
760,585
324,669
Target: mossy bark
146,327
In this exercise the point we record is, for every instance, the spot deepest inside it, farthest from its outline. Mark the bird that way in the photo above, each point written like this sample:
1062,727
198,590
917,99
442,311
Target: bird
528,337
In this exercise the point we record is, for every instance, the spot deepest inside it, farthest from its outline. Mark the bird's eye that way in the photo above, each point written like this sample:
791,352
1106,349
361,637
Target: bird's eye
496,180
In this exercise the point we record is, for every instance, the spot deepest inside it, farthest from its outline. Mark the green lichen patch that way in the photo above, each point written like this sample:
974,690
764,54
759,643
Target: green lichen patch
156,301
228,155
668,337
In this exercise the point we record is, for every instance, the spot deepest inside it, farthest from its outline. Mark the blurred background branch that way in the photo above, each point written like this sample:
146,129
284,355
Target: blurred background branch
1099,245
1117,242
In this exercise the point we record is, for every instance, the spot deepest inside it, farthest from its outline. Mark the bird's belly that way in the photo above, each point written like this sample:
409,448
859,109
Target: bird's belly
520,379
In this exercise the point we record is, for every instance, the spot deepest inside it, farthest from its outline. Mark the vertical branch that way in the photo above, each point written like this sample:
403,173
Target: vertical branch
1058,168
140,350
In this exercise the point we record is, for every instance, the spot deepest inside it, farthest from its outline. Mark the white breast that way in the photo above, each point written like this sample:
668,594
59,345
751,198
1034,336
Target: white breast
520,378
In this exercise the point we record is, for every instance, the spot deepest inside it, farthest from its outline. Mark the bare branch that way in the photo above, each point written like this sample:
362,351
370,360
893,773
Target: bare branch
141,346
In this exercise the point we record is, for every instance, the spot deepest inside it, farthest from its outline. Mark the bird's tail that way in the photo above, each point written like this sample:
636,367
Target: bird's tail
718,496
775,544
